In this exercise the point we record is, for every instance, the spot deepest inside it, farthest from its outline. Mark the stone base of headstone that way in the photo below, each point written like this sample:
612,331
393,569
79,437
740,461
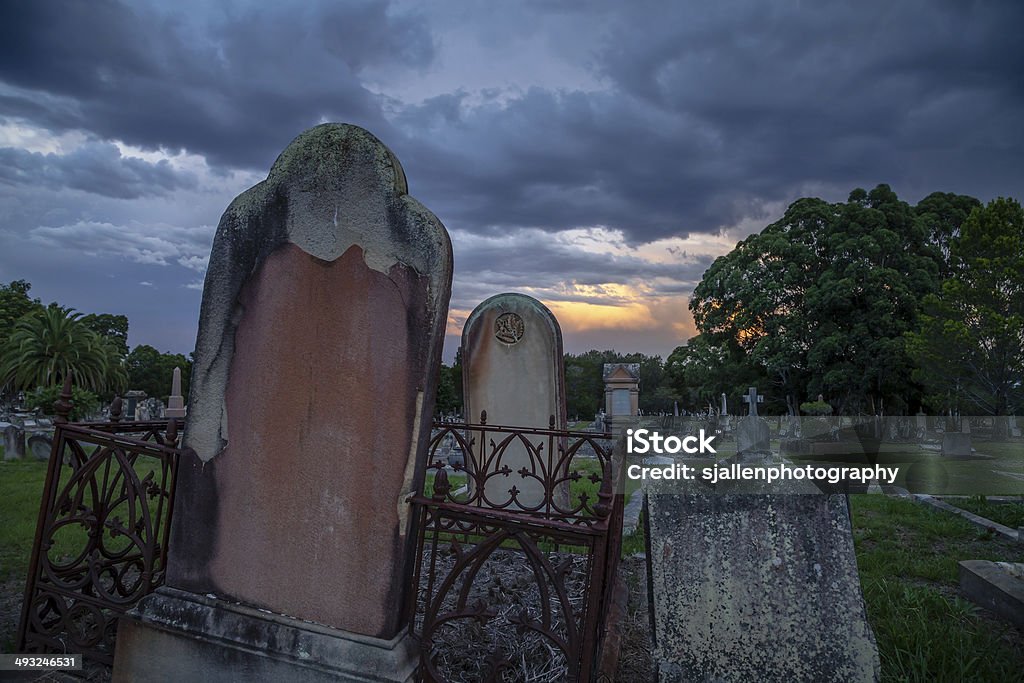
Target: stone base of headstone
756,587
956,445
173,635
996,586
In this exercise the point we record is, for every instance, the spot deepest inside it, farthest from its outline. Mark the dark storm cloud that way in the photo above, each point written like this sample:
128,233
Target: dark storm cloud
235,88
711,109
96,167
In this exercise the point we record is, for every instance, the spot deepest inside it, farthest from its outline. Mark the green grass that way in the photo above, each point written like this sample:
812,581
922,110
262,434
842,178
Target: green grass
993,472
1007,514
908,554
21,484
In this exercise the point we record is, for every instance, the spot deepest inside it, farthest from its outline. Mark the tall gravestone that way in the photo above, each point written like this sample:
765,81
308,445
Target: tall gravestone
513,368
309,410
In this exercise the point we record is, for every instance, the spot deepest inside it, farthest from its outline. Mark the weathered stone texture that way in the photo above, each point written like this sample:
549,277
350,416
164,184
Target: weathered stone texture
519,381
756,587
320,334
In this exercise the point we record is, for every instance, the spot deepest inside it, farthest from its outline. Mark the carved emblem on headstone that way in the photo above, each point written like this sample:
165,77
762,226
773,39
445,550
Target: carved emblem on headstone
509,328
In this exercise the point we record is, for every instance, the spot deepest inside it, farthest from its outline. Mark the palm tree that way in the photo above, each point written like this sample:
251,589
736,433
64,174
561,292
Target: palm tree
43,348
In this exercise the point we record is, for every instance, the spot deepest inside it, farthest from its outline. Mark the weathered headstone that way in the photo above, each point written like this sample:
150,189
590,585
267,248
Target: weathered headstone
1012,426
748,587
309,416
14,441
512,367
131,403
753,436
956,445
40,446
621,394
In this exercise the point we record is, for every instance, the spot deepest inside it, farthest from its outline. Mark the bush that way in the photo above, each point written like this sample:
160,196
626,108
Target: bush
83,403
816,408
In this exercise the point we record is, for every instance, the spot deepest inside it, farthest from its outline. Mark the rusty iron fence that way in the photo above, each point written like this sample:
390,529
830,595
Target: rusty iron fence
518,544
101,538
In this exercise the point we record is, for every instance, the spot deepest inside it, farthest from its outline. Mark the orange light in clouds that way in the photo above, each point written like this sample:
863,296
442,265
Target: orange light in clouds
577,316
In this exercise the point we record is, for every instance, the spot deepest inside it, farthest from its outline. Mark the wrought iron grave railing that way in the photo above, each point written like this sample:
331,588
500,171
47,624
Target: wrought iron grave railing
101,538
519,532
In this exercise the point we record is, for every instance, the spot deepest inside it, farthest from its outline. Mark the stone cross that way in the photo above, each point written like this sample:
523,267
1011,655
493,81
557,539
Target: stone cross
752,399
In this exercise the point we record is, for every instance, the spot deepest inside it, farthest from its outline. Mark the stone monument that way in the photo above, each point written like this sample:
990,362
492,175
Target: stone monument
309,415
621,394
14,441
513,368
753,437
175,402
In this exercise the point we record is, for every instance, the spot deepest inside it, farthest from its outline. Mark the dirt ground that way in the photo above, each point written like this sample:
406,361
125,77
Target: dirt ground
634,658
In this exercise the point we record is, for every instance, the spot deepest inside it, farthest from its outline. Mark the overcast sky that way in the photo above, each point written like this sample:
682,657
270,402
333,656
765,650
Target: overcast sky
596,155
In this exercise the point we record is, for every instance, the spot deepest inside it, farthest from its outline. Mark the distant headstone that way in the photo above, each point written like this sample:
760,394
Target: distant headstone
749,587
621,394
40,445
309,417
131,403
512,367
175,402
14,441
956,445
1014,428
753,436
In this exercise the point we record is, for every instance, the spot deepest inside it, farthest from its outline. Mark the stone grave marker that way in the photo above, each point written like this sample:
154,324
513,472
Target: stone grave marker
309,415
14,442
40,445
956,445
175,402
131,403
513,368
753,436
755,587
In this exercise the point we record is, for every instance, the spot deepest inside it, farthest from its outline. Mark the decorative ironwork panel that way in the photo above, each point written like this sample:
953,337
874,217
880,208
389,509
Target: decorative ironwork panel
505,590
101,539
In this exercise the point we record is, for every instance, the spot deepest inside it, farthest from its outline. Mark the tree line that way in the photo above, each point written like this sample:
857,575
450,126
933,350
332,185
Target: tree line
40,344
877,306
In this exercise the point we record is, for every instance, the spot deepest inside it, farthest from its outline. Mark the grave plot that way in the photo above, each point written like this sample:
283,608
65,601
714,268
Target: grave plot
516,590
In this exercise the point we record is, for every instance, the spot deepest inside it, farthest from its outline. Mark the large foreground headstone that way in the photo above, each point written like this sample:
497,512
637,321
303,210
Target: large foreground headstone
308,417
751,587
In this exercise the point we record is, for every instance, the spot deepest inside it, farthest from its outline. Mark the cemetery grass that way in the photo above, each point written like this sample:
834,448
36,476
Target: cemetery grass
926,630
1009,514
21,483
